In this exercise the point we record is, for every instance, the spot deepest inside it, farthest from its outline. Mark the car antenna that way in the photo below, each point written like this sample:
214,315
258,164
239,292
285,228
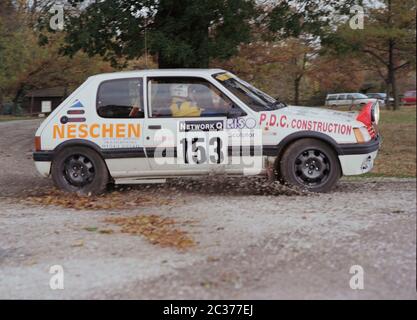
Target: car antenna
146,41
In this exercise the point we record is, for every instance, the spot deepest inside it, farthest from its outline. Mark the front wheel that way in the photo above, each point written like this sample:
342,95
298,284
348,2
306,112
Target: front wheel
310,164
80,170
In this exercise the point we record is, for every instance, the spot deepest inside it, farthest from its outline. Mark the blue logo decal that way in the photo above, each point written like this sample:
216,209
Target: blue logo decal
77,104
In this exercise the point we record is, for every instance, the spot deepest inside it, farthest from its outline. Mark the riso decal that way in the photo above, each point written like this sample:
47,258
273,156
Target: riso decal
241,123
197,126
96,130
302,124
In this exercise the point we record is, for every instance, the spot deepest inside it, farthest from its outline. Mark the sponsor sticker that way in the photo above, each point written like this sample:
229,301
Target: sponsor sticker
303,124
198,126
96,130
241,123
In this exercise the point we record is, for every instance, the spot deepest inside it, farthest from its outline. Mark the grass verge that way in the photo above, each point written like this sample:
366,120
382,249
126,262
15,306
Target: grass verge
397,157
11,118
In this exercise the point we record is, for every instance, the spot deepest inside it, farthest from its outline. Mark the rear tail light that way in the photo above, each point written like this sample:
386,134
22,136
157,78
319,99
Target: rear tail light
38,144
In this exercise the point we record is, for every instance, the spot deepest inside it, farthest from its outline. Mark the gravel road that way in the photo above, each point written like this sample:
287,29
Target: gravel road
275,245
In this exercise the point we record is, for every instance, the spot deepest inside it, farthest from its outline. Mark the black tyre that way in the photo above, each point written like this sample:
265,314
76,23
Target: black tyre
80,170
310,164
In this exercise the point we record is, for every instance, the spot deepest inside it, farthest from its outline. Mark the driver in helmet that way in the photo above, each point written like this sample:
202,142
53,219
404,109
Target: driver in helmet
181,105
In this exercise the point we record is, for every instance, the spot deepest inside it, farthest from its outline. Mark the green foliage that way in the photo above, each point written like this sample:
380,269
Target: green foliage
181,33
295,18
25,65
387,43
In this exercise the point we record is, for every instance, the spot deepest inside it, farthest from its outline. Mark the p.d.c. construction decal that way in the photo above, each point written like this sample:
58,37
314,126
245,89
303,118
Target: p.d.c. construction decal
303,124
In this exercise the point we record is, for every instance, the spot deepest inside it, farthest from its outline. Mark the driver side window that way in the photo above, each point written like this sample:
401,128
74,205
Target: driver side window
180,97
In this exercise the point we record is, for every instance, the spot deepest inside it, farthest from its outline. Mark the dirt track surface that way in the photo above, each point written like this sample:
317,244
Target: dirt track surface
273,245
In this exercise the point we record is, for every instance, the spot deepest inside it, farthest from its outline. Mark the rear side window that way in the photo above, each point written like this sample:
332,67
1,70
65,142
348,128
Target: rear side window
121,98
342,97
332,97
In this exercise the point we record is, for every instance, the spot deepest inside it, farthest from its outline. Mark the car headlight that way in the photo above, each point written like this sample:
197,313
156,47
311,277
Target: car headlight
375,113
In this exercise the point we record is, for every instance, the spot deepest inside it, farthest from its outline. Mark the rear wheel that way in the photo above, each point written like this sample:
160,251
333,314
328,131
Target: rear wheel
310,164
80,170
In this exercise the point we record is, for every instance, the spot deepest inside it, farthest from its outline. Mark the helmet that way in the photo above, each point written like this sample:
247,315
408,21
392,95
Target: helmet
179,90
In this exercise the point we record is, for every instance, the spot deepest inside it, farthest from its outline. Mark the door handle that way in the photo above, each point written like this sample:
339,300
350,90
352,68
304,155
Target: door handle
154,127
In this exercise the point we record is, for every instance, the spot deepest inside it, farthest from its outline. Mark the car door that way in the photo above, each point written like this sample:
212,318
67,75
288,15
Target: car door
185,129
342,100
119,126
350,99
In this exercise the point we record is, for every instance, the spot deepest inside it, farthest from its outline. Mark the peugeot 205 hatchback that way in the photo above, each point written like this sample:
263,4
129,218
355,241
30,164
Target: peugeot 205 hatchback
148,126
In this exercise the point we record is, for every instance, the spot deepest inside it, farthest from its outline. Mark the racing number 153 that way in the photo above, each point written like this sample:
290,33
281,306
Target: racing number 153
200,150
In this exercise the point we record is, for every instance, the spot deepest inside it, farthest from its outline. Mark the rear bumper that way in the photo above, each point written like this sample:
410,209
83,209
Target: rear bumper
43,167
43,162
43,156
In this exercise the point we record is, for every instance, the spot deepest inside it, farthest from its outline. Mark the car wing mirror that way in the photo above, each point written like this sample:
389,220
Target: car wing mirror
235,112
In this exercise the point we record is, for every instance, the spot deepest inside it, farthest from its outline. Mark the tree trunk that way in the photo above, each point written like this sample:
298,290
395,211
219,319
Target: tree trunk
391,73
1,100
387,92
297,82
395,91
17,98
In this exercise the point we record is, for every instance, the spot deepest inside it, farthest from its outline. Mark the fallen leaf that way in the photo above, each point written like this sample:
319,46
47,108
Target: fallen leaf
157,230
106,231
78,243
91,229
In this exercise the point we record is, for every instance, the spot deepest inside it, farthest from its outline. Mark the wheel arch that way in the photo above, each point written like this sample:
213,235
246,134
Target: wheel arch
78,143
290,139
82,143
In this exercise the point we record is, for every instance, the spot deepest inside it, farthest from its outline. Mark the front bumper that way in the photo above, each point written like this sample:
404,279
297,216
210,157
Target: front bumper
360,148
357,158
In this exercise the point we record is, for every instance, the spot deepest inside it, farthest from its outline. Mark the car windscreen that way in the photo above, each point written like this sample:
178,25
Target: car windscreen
248,94
360,96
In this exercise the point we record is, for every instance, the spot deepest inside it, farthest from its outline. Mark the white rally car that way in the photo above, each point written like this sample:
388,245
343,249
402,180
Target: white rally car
147,126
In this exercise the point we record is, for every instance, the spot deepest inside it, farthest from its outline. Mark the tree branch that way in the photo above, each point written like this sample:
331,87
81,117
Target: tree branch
402,65
376,56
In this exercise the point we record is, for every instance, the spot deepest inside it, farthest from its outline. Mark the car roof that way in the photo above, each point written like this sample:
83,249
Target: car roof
334,94
157,72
